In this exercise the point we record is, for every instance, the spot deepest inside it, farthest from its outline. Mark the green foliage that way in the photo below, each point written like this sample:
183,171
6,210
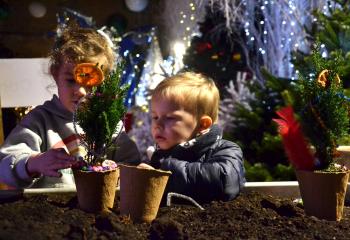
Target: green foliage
284,173
332,30
344,141
260,172
99,114
254,130
257,172
322,107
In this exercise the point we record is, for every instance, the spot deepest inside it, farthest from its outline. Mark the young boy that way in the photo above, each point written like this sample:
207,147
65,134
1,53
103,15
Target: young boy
189,142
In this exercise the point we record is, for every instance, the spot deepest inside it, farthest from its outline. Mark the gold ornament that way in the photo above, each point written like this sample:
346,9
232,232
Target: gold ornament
322,78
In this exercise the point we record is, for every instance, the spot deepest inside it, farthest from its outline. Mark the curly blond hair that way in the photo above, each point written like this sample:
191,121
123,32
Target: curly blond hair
195,92
78,45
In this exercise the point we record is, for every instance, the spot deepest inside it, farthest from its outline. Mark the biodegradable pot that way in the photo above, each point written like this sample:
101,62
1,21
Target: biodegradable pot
141,192
323,193
96,190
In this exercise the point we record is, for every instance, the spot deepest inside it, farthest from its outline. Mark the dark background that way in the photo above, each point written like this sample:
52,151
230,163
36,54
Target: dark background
24,36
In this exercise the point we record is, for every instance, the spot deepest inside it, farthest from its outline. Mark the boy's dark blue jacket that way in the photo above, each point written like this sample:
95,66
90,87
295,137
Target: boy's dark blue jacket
205,168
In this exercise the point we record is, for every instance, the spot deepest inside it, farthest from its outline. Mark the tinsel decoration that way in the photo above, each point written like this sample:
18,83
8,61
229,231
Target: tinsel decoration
141,130
134,49
236,93
67,15
152,73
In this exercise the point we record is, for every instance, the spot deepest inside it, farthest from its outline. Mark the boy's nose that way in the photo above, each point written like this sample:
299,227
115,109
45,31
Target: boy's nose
158,123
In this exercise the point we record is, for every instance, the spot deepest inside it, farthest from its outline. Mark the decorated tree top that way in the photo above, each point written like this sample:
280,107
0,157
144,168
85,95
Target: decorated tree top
100,113
323,108
323,111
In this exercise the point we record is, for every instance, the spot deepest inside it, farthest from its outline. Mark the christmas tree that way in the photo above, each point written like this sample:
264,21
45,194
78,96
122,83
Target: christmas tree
216,53
99,115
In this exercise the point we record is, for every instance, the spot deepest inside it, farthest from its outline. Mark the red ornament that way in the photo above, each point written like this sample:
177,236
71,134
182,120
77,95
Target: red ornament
203,46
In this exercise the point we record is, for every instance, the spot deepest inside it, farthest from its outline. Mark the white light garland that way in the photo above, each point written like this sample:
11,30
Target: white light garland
281,32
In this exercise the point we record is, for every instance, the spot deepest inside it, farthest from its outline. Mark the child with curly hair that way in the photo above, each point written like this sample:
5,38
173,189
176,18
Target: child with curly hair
39,152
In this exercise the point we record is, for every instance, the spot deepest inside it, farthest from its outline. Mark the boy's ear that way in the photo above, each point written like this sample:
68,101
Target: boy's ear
205,122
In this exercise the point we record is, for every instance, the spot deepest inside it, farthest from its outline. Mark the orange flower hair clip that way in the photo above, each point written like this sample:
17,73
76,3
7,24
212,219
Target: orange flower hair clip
88,74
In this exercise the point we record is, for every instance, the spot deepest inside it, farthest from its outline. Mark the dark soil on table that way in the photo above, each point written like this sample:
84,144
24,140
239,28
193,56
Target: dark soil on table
250,216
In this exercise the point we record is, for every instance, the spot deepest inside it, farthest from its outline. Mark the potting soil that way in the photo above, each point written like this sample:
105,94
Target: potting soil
249,216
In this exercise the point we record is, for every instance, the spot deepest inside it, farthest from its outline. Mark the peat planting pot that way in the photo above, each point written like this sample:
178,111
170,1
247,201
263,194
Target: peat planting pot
323,193
141,191
96,190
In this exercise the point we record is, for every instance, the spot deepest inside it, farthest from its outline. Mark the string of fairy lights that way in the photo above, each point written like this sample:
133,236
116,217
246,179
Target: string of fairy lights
155,68
276,29
263,35
187,17
188,30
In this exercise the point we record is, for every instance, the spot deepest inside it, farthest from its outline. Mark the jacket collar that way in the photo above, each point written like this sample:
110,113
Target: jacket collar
195,147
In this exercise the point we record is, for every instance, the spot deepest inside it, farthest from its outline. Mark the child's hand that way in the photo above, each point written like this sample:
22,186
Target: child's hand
145,166
48,163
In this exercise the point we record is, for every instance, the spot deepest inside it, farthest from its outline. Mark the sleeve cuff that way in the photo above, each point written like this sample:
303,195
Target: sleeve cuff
21,169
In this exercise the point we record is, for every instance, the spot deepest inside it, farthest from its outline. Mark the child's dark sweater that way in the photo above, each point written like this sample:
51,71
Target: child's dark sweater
205,168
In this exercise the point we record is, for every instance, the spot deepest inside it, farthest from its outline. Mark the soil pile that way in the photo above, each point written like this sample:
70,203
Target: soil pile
250,216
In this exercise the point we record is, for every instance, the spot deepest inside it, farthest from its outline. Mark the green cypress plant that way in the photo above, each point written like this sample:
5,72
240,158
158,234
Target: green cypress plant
99,114
322,107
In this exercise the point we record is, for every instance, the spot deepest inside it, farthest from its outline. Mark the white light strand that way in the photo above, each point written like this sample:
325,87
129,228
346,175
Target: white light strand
274,40
180,20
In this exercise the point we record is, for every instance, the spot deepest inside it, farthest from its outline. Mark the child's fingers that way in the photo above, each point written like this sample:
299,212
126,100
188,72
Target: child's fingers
145,166
60,150
60,164
60,153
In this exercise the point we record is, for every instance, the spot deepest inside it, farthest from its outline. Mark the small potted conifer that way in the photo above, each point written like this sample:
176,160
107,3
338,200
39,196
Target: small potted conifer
97,121
311,136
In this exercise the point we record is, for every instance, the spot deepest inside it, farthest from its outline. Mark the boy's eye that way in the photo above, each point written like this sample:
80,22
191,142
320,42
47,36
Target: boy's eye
154,117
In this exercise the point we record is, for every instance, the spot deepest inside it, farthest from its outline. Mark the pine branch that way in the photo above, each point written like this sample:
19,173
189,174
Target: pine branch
99,114
323,109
